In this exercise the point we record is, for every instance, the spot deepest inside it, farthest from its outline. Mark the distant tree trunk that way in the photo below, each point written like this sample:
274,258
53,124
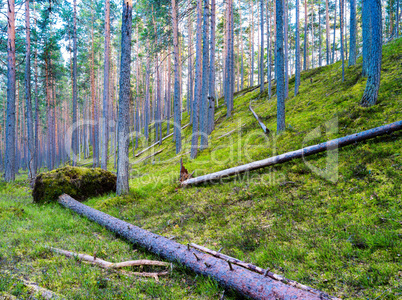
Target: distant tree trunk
229,61
95,139
177,110
333,46
28,104
352,43
312,35
212,93
327,40
11,77
279,67
373,82
397,18
262,77
75,88
198,83
106,93
252,43
319,36
367,38
242,49
305,56
190,69
147,96
205,79
36,159
124,100
297,75
286,53
169,93
342,51
269,49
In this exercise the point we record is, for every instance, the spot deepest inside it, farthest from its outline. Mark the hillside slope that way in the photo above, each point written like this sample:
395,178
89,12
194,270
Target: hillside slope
342,236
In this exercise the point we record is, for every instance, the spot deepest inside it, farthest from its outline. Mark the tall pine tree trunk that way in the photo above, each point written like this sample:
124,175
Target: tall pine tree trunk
342,50
95,139
286,54
297,71
205,78
280,67
327,40
37,153
353,29
11,77
177,109
319,36
106,93
269,49
262,76
28,104
305,56
122,186
212,93
198,83
75,88
252,43
334,42
374,73
366,33
147,95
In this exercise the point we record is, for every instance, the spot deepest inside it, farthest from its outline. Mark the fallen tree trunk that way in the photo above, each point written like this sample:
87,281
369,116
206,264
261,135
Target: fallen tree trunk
246,282
264,128
157,143
333,144
254,268
149,156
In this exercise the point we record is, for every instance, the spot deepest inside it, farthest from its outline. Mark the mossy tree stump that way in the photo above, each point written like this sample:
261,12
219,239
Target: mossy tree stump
80,183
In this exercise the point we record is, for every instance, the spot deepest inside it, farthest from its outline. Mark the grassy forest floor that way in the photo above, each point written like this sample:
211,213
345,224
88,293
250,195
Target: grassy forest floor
344,238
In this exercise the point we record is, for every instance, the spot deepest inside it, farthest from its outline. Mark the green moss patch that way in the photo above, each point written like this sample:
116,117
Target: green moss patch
79,183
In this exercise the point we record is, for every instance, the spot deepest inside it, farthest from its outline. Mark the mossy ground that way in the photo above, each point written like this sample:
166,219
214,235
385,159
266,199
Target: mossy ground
344,238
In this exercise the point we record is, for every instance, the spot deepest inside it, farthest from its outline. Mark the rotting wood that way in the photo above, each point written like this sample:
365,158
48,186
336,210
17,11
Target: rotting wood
332,144
264,128
251,267
108,265
149,156
246,282
42,292
157,143
34,287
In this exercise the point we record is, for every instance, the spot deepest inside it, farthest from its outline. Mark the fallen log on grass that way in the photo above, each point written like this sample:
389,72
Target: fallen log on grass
332,144
108,265
246,282
149,156
264,128
157,143
254,268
